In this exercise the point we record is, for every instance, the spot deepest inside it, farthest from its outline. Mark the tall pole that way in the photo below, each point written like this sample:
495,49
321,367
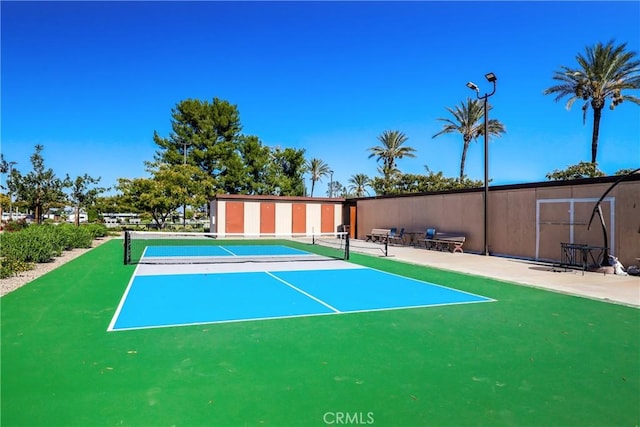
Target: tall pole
486,175
331,185
184,206
491,77
10,192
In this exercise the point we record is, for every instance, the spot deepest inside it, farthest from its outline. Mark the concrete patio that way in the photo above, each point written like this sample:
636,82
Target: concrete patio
605,287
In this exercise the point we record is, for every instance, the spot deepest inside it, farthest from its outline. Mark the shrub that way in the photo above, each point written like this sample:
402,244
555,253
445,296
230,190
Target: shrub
97,230
68,236
82,237
41,243
14,225
11,267
27,246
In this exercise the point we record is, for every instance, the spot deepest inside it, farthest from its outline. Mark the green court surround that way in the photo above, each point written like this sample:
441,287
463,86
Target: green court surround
533,358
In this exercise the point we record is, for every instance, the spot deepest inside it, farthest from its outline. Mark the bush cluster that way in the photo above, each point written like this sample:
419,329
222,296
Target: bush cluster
21,249
15,225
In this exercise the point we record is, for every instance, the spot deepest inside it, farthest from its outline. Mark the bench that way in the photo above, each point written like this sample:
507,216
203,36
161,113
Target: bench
379,235
440,241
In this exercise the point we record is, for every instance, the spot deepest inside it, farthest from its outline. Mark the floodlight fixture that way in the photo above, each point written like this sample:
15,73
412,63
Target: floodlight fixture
473,86
491,77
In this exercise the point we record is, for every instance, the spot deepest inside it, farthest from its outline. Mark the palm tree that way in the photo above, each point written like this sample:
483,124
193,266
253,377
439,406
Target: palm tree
317,168
358,184
468,121
603,72
390,150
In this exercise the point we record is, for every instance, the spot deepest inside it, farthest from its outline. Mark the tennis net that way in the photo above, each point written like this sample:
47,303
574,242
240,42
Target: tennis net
155,247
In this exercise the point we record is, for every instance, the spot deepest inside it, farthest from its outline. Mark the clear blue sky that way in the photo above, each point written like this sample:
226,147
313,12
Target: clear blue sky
91,81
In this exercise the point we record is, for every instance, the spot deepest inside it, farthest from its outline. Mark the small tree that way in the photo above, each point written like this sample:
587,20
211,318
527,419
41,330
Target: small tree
625,171
317,169
358,184
40,189
168,189
82,195
4,203
338,189
581,170
467,120
149,196
391,149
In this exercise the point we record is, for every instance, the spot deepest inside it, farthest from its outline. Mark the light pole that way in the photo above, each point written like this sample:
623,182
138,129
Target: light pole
491,77
184,206
10,192
331,184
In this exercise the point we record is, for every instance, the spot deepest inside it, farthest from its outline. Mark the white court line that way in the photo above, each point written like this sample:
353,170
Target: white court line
435,284
295,316
303,292
227,250
215,322
112,324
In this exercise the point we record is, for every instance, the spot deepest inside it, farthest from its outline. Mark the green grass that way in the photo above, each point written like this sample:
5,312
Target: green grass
533,358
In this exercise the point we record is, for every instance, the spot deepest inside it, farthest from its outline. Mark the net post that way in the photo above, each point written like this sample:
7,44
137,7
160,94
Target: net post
346,246
127,248
386,246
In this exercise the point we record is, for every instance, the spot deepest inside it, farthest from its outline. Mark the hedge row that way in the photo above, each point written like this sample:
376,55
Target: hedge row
20,250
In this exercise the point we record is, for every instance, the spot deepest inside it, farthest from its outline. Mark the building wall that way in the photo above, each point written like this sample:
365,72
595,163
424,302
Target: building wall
527,221
313,218
284,218
252,214
251,218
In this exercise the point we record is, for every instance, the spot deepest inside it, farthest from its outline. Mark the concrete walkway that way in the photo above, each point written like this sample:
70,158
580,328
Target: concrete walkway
610,287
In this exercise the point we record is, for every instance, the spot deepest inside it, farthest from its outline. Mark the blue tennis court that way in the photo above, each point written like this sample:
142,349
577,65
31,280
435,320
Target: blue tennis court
172,295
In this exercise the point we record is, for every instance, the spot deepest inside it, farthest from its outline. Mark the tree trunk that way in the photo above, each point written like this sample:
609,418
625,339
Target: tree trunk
77,219
597,113
463,159
38,213
159,219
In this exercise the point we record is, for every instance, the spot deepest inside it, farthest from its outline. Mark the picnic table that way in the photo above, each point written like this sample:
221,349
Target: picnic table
440,241
380,235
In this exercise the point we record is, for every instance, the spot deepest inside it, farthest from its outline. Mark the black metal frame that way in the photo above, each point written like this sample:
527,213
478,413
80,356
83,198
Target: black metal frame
580,255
